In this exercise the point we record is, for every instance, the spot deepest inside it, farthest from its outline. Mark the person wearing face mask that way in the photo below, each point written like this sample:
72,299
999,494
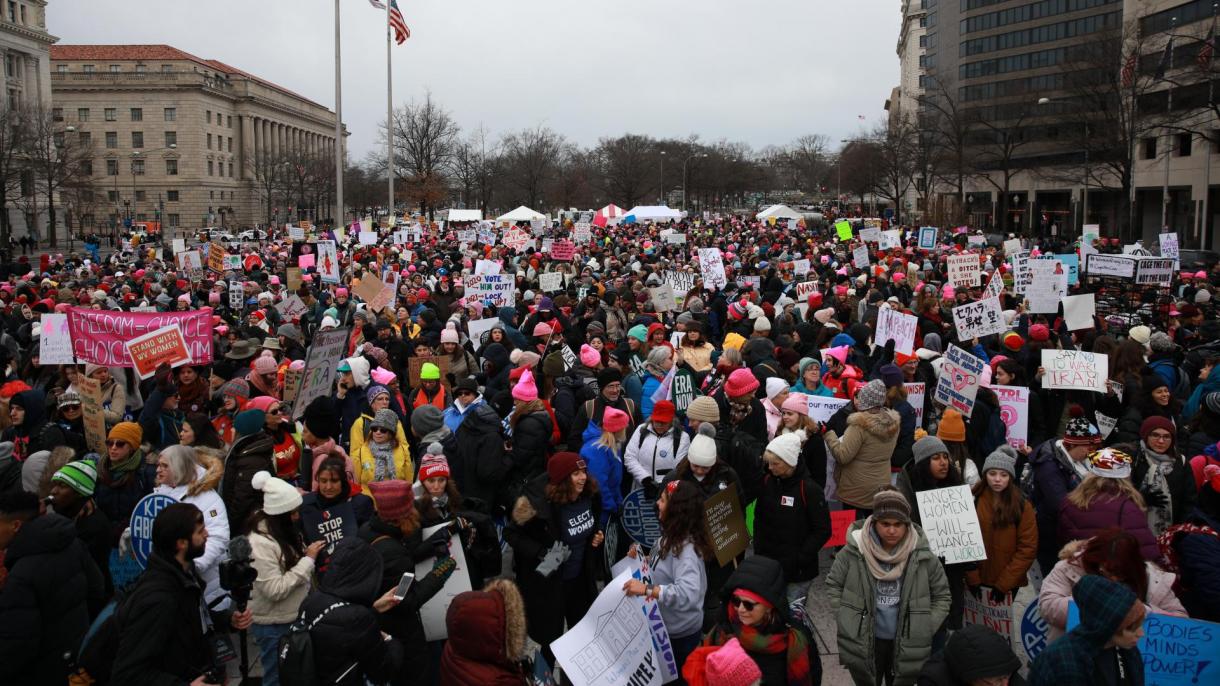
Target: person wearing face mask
1010,531
1103,648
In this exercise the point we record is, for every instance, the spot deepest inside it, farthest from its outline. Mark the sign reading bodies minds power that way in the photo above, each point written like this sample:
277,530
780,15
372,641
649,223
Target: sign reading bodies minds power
142,524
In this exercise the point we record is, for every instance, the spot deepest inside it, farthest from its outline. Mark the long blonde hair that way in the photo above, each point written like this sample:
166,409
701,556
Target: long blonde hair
1094,487
611,440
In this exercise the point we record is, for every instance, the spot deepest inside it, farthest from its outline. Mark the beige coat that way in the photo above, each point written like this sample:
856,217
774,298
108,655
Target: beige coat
277,592
862,455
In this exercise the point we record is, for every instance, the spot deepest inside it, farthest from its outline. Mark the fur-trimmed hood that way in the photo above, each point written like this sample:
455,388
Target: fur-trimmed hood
209,472
487,636
883,424
523,511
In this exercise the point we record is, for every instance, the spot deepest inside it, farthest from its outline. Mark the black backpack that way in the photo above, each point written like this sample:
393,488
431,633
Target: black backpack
296,652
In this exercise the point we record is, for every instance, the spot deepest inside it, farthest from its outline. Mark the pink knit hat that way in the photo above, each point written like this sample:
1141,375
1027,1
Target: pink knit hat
731,666
613,420
797,402
265,364
542,330
741,382
589,357
525,390
382,376
262,403
839,353
449,335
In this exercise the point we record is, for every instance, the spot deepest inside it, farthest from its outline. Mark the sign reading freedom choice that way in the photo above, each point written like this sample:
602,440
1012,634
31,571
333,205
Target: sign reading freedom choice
101,336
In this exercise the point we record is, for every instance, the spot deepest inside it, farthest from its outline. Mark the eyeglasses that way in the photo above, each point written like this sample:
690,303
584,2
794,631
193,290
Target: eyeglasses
1160,436
116,444
379,429
747,605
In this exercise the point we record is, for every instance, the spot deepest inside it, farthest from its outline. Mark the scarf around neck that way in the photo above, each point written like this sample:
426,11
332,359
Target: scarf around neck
785,639
885,566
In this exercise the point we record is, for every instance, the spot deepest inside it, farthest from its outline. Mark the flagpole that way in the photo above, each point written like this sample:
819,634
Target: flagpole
389,115
340,216
1169,138
1207,156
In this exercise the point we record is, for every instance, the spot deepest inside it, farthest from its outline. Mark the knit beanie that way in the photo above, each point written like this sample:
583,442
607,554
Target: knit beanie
952,426
607,376
236,388
385,419
890,503
1003,457
1013,341
1039,333
1160,342
976,653
265,364
872,395
128,432
449,335
433,464
1110,464
704,409
762,325
279,496
429,372
562,465
375,390
663,412
249,422
393,498
262,402
775,386
731,666
1140,334
786,447
638,332
890,375
589,356
425,419
927,447
798,403
702,452
740,382
525,391
614,420
80,476
320,418
1079,431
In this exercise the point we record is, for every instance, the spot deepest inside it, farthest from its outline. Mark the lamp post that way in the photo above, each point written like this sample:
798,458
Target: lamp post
684,184
662,181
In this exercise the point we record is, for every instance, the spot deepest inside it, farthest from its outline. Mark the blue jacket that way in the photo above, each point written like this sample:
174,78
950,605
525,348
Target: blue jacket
606,467
651,384
821,391
1209,385
506,315
1199,562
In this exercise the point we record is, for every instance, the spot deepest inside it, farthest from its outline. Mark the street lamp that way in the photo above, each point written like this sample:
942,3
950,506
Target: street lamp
688,159
662,182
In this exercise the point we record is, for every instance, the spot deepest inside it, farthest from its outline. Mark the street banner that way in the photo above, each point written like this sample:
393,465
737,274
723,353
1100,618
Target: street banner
100,336
155,348
321,367
726,525
711,265
959,380
964,270
612,645
1075,370
328,262
901,327
432,613
92,412
927,238
1014,411
822,408
916,392
141,525
978,319
951,524
1078,311
55,340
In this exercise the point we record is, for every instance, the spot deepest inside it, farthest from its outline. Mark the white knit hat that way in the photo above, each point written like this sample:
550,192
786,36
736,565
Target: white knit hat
702,452
775,386
279,496
786,447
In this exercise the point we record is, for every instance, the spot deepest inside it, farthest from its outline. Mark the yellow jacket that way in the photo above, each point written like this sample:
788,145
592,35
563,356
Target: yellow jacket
364,464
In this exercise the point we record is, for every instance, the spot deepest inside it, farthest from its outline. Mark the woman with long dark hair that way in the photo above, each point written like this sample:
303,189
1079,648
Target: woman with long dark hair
332,512
677,563
198,432
1010,531
1009,372
1154,399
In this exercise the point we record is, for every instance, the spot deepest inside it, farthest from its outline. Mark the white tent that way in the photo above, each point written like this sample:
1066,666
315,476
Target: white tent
778,212
465,216
521,214
653,213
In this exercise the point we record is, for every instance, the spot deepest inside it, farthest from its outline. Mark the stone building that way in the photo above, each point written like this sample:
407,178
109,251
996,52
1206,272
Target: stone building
25,79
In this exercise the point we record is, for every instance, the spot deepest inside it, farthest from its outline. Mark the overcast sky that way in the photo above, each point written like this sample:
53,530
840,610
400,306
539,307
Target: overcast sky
759,71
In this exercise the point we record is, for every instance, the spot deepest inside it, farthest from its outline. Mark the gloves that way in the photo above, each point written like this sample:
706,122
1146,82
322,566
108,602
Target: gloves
998,597
1154,498
555,556
125,549
650,488
444,568
439,541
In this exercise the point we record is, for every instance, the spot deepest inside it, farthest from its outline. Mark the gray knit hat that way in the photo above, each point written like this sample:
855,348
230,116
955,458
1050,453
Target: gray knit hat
1160,342
890,503
1003,457
871,395
927,447
385,419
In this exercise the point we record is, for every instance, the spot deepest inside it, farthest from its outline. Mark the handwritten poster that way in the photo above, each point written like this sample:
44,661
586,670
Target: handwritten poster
951,524
901,327
959,380
1075,370
978,319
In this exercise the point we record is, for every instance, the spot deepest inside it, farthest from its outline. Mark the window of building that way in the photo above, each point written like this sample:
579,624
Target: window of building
208,116
171,138
210,142
12,11
137,139
10,65
211,194
229,120
86,168
1184,144
22,14
112,139
57,114
1150,148
112,114
137,167
84,138
61,68
112,196
141,196
82,114
923,41
86,195
140,68
171,167
173,220
112,167
137,114
58,139
230,144
88,68
115,69
211,168
923,22
171,196
167,68
230,170
171,114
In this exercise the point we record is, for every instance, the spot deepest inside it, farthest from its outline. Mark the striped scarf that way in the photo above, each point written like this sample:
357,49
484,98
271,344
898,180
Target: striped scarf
786,639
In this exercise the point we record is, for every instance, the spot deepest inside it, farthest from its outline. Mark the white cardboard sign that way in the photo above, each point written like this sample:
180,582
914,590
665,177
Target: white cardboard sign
951,524
1075,370
898,326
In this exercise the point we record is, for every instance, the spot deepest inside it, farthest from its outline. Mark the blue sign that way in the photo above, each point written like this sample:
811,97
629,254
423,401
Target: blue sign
1033,631
142,524
639,518
1071,262
1175,649
927,237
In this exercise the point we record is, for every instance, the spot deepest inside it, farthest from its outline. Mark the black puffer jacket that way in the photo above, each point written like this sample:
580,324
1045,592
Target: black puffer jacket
792,523
531,446
53,589
350,633
248,456
478,463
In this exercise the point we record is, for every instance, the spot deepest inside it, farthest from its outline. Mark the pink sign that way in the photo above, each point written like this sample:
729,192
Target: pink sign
306,261
562,250
101,336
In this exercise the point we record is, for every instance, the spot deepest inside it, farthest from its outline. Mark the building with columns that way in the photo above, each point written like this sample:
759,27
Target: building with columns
25,80
187,141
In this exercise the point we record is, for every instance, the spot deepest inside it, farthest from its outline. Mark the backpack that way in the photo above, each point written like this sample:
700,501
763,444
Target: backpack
100,644
296,652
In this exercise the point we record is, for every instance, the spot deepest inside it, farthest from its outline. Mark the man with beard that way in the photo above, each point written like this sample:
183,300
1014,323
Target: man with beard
166,631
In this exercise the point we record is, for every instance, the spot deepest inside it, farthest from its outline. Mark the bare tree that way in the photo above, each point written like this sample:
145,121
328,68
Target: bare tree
897,146
13,134
425,140
996,148
627,167
860,163
946,126
270,172
56,158
531,158
805,160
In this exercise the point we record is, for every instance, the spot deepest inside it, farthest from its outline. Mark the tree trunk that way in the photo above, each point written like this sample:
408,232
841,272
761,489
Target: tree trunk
51,218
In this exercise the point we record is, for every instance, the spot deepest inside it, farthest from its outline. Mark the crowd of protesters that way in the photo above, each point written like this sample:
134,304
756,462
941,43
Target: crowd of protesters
525,439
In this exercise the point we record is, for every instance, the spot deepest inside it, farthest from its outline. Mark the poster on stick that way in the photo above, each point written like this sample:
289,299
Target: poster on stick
321,367
92,412
951,524
55,340
901,327
1075,370
959,380
726,525
155,348
432,613
964,270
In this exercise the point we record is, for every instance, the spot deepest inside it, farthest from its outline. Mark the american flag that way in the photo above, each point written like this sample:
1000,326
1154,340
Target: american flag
401,32
1129,69
1209,48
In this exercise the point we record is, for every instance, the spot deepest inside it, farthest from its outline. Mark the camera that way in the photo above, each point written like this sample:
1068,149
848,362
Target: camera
236,573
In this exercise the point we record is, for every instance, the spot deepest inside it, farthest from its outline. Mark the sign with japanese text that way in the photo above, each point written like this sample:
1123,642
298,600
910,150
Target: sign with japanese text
978,319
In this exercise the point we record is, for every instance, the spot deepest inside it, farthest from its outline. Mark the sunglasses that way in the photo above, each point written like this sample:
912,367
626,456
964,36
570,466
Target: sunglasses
116,444
747,605
380,430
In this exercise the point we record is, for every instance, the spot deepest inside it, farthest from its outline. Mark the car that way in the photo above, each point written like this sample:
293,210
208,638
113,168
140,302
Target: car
1198,259
252,235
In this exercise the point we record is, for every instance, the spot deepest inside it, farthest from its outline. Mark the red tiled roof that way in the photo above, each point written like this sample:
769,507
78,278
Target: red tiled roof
156,52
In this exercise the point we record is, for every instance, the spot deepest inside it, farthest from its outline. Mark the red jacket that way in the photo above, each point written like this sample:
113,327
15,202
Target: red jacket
486,637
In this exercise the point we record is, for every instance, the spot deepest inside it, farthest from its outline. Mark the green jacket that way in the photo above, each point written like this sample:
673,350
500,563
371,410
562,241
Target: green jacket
922,609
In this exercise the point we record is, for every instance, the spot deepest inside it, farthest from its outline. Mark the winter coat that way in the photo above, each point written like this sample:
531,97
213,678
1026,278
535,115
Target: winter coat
1103,513
359,434
593,411
160,426
486,638
478,463
531,447
649,456
607,468
862,455
118,498
906,435
1011,550
1081,657
248,456
52,590
278,592
923,607
365,464
1180,481
1198,558
792,523
1057,590
1054,477
202,494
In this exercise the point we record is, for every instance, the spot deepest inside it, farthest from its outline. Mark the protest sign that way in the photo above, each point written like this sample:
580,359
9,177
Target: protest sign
232,263
1075,370
1047,286
1071,264
978,319
155,348
840,522
987,612
843,229
1011,246
141,525
1169,246
1114,266
804,289
683,390
995,286
190,261
612,644
750,282
498,289
55,340
662,297
432,613
367,237
216,257
675,238
178,245
1014,411
296,233
892,324
515,238
328,262
1021,274
1155,271
476,328
416,363
367,288
890,239
800,267
582,234
726,525
871,234
92,412
486,267
100,336
680,281
959,380
822,408
640,570
1078,311
1174,649
975,241
563,250
639,518
951,524
964,270
859,257
292,307
711,266
549,282
307,261
237,295
321,367
292,384
927,238
916,393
